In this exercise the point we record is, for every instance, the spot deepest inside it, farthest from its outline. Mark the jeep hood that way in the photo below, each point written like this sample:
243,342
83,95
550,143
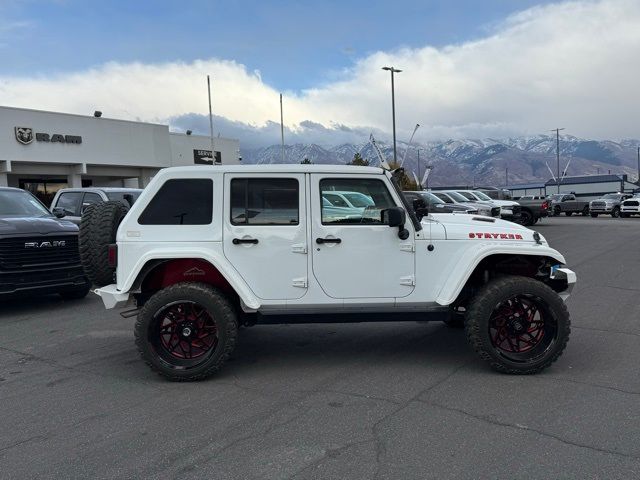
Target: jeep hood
474,227
19,226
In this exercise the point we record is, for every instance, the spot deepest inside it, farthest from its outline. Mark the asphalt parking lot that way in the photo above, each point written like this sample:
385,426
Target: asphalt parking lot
333,401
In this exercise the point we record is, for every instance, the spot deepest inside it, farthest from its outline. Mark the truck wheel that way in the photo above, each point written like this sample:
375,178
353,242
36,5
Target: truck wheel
526,218
186,331
556,210
594,215
615,213
98,228
585,211
517,324
568,214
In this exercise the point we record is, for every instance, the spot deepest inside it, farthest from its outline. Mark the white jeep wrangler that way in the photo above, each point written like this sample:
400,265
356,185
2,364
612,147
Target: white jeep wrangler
207,249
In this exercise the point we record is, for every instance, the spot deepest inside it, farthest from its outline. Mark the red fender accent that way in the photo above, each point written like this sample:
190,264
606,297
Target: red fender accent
185,270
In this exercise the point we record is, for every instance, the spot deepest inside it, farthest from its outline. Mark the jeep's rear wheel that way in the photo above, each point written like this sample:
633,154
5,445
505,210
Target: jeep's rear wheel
98,228
517,324
186,331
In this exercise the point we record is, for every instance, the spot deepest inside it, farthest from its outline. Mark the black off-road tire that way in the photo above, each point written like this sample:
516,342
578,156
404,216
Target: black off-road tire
594,215
98,227
585,211
499,290
215,303
615,213
526,218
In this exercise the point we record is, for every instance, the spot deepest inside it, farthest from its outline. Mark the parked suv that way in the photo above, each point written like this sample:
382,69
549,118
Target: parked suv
38,252
509,210
427,200
71,202
608,204
205,250
631,206
454,198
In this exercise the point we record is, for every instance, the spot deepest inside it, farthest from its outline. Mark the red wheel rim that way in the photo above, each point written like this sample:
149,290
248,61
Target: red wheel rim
517,326
185,331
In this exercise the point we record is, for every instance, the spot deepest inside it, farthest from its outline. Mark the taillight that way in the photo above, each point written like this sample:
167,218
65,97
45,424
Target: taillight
545,205
113,255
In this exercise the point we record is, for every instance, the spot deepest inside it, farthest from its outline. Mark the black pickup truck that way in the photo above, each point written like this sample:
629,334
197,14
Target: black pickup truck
38,252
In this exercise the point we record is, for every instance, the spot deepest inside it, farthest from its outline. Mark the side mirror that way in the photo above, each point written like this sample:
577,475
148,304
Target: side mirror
59,212
396,217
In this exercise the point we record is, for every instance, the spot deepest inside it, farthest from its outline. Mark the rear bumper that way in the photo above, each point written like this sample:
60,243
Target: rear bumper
111,296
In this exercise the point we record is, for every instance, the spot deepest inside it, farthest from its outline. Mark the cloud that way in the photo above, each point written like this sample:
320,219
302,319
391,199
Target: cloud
571,64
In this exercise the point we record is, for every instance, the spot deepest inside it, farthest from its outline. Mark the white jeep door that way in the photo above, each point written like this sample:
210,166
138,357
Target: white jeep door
354,254
264,234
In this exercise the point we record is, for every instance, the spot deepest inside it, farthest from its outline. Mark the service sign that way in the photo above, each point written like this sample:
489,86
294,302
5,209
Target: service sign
204,157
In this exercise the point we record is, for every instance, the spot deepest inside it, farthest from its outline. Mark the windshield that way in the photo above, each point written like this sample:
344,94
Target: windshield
556,196
482,196
458,198
21,204
443,197
615,196
468,196
431,198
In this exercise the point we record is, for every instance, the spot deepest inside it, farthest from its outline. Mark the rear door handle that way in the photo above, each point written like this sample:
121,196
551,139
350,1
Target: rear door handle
238,241
320,241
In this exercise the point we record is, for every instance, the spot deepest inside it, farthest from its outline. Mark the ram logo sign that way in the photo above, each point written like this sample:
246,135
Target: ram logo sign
54,243
24,135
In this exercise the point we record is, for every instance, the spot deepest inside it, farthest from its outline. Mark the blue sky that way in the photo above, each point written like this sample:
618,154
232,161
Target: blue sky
294,45
471,68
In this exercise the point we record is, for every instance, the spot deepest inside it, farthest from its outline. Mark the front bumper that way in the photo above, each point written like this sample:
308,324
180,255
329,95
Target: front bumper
632,210
607,209
564,274
39,281
111,296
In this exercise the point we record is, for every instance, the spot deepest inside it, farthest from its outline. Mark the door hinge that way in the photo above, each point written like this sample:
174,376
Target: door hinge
407,247
300,282
409,281
299,248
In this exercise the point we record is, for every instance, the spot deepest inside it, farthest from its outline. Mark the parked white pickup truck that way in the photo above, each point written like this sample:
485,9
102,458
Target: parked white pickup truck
206,249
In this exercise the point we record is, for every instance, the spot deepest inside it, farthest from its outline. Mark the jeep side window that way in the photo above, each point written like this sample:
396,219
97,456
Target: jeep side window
181,201
69,202
373,194
265,201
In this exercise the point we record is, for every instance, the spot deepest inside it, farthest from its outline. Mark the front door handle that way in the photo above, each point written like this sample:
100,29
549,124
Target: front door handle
238,241
320,241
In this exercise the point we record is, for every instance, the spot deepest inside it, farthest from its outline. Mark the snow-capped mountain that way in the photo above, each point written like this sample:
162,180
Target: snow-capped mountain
476,161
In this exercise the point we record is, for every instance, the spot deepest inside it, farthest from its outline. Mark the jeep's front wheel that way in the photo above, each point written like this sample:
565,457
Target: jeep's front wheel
517,324
186,331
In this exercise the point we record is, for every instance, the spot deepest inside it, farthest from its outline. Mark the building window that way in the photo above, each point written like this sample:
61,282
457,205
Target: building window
184,201
264,201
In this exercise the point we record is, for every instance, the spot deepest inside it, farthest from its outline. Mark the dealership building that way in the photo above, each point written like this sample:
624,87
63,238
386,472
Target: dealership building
45,151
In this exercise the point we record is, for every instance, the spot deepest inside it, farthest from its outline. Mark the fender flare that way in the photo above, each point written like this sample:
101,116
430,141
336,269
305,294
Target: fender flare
471,259
216,260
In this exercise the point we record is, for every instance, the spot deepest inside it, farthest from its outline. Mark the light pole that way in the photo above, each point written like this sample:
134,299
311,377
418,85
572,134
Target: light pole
557,130
393,109
418,149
